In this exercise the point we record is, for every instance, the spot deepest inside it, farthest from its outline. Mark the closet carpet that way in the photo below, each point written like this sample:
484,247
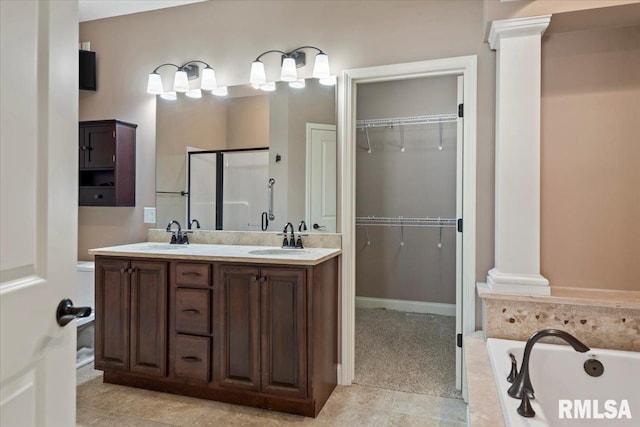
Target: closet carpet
407,352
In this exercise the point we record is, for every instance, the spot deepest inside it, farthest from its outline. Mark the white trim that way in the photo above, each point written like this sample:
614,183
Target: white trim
407,306
465,66
517,27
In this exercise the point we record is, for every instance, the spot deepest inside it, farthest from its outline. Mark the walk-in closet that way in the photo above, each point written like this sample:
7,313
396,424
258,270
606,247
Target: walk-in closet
408,192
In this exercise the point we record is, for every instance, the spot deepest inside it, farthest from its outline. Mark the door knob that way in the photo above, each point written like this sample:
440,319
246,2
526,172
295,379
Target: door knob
318,227
66,312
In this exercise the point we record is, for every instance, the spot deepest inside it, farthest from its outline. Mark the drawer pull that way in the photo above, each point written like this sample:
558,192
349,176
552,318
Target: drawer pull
191,273
191,310
191,359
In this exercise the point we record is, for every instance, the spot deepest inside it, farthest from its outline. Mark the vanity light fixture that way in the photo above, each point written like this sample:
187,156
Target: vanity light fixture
290,62
185,72
220,91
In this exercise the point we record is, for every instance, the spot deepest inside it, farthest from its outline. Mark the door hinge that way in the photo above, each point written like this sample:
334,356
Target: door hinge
460,110
459,225
459,340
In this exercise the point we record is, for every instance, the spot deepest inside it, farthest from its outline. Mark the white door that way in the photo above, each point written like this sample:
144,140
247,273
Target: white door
321,178
38,210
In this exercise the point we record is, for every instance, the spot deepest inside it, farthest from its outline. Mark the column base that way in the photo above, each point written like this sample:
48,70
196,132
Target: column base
520,284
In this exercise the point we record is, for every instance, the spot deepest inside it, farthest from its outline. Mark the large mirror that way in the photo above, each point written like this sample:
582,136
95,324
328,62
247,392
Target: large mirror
251,160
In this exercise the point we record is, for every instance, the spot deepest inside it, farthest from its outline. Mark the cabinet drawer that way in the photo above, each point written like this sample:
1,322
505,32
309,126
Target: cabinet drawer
97,196
193,311
191,274
192,357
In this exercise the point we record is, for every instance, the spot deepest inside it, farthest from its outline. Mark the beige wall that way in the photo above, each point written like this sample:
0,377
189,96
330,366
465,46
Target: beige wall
420,182
590,174
229,35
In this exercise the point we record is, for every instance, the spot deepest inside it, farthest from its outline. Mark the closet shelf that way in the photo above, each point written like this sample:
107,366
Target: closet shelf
405,221
405,121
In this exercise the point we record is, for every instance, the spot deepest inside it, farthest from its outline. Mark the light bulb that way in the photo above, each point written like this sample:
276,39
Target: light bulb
258,76
298,84
169,96
288,73
154,84
208,81
194,93
321,66
181,81
328,81
220,91
268,87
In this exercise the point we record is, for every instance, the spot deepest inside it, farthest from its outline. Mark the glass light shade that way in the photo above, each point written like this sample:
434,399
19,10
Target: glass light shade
220,91
329,81
268,87
169,96
321,67
258,76
298,84
154,84
194,93
181,81
208,81
289,73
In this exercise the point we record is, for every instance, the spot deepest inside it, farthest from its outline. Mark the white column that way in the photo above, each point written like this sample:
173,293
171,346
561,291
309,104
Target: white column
517,234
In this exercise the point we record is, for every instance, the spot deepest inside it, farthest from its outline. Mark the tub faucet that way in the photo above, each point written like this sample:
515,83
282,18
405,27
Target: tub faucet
521,387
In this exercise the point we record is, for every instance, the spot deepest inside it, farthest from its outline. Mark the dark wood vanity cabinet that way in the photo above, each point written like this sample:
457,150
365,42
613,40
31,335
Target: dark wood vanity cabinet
131,316
258,335
263,329
107,163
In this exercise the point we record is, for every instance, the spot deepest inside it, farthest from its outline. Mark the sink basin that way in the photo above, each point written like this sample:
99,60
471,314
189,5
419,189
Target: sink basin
277,251
164,247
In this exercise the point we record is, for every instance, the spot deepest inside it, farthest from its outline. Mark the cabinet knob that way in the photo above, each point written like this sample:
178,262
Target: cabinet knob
123,270
98,196
263,279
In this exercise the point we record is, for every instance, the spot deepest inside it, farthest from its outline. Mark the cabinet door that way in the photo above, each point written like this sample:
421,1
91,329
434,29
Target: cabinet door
112,314
148,317
239,302
100,143
284,337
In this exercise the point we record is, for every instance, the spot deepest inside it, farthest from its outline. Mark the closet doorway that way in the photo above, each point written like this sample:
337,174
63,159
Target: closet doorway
408,201
408,208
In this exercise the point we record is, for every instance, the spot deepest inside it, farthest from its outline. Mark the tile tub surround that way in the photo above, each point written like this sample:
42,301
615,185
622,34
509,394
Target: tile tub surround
483,401
250,238
599,318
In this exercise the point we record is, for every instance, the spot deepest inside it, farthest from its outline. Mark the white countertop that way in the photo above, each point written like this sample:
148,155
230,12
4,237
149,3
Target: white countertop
230,253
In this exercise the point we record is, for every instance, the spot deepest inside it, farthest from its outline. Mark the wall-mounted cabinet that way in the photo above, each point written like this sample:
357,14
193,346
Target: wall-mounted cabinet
107,163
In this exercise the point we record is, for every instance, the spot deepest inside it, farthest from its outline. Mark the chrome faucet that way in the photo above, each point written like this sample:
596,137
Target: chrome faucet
291,242
179,237
521,387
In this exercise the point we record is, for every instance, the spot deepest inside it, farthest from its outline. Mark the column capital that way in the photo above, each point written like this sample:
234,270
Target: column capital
517,27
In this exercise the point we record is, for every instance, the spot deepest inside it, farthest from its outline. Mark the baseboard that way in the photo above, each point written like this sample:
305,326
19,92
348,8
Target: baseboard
408,306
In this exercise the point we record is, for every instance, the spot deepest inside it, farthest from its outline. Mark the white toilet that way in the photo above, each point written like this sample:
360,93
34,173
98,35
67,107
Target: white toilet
85,297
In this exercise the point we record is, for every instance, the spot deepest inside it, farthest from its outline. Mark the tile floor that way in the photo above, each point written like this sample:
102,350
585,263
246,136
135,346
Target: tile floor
100,404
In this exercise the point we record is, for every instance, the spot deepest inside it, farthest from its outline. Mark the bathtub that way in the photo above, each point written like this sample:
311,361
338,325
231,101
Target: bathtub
564,394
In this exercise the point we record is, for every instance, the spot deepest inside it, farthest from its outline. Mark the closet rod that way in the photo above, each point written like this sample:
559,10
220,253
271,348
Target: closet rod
405,121
405,221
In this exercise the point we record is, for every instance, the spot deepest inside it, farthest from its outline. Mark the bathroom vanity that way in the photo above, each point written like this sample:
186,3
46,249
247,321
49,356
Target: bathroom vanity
241,324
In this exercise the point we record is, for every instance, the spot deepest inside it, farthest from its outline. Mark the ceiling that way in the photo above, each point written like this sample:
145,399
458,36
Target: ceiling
88,10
